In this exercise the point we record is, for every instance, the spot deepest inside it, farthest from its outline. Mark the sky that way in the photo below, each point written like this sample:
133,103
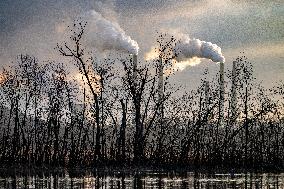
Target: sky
255,27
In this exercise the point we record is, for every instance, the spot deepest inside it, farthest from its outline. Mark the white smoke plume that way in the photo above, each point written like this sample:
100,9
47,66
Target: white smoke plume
105,35
188,48
183,64
180,66
189,52
152,54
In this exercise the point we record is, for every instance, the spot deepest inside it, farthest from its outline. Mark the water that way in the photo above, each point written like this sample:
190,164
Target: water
146,179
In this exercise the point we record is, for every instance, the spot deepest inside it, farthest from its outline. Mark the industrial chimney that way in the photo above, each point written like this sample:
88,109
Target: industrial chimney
206,90
161,84
222,91
134,59
234,92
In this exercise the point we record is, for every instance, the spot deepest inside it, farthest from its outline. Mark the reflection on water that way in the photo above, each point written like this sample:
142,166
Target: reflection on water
144,180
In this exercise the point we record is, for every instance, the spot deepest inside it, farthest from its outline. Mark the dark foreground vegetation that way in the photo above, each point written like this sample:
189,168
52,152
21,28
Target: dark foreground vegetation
117,113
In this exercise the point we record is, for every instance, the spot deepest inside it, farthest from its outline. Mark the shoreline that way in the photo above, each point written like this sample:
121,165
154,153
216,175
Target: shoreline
22,170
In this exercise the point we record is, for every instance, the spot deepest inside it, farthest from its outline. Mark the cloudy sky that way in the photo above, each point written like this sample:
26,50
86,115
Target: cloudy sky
255,27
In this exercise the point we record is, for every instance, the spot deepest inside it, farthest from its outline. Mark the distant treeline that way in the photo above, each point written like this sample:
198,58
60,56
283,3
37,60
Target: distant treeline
117,112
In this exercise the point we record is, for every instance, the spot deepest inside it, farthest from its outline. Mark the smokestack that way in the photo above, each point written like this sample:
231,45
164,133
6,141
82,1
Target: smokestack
134,59
222,91
206,89
161,84
234,92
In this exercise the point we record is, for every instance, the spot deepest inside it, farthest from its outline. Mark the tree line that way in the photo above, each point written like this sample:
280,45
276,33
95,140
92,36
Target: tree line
117,112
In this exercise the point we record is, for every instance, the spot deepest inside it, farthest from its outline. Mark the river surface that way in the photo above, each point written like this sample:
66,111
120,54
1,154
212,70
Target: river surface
143,179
